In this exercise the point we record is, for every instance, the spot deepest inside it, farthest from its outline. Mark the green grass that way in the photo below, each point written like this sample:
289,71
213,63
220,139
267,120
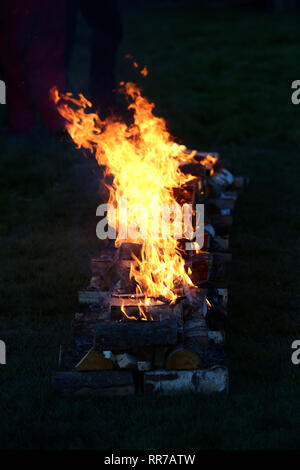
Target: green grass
222,80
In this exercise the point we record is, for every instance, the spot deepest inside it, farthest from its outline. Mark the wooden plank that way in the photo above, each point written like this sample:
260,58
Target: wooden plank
99,383
210,380
135,334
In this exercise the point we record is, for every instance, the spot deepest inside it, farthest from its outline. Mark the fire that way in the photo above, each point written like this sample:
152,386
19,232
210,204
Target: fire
144,161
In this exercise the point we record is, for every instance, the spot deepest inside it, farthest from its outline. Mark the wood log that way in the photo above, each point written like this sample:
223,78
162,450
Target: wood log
134,334
184,357
83,331
94,360
126,361
197,330
98,383
128,250
210,380
194,169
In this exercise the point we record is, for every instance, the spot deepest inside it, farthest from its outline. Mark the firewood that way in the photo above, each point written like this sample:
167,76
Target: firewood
210,380
217,337
94,360
196,329
83,331
126,361
183,357
128,250
98,383
194,169
133,334
223,178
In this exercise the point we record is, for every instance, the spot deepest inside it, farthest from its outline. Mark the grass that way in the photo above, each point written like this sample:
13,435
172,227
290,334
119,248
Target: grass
222,80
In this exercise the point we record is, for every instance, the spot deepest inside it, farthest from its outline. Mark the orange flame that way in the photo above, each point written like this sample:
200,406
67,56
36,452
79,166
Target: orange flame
144,160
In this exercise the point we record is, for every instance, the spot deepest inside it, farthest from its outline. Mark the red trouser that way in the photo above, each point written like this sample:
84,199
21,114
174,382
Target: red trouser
32,57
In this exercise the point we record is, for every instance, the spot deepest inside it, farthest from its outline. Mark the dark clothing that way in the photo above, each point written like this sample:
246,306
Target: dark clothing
32,47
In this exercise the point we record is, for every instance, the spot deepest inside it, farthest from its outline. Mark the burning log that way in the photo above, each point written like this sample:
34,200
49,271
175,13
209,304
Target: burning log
98,383
118,336
203,380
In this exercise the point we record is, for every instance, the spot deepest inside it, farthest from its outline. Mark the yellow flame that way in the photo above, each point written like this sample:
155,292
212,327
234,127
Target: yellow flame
144,160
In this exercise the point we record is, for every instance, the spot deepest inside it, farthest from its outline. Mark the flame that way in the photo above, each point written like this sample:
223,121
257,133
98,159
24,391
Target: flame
144,160
208,303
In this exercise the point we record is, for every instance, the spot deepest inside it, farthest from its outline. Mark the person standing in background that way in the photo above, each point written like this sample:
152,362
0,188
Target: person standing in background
32,60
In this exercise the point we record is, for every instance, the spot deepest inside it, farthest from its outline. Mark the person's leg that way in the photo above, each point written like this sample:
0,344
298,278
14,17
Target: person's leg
105,22
46,59
14,37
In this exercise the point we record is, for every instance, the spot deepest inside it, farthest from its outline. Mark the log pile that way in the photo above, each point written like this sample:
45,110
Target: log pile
181,347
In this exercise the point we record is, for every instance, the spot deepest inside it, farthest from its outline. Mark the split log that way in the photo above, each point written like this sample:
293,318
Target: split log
186,356
134,334
126,361
94,360
210,380
98,383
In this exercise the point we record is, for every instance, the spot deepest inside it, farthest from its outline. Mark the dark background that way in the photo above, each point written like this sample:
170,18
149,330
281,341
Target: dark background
221,77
